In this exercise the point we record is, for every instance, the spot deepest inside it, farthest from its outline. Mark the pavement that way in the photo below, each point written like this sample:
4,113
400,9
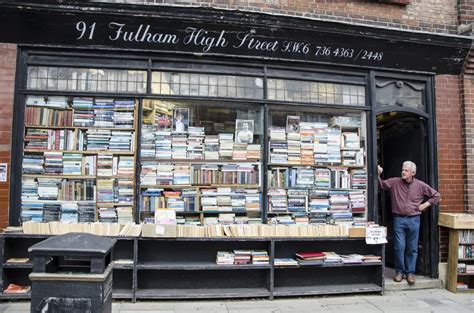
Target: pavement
419,301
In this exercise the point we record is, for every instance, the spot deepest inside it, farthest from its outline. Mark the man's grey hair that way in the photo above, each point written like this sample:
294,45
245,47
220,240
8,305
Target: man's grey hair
411,165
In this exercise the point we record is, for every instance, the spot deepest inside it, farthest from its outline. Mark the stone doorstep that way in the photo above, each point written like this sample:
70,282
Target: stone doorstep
422,282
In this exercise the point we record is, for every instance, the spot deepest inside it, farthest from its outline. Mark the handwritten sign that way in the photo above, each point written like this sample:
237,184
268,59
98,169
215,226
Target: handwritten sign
3,172
375,235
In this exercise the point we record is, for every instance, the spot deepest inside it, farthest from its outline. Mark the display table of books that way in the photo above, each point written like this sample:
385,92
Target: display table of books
220,262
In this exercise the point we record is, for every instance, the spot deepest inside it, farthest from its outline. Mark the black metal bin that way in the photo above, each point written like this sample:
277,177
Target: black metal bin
72,273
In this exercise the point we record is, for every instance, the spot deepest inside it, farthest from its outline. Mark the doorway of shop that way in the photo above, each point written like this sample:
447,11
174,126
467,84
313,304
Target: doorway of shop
402,136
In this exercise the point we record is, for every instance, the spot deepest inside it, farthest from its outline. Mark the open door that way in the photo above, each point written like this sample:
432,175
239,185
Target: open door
401,137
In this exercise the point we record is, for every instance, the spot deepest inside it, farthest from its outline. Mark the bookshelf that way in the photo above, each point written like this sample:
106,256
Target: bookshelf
147,268
316,166
199,169
79,159
460,276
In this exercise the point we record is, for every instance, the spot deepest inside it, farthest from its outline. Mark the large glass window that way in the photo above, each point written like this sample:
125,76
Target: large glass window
316,92
86,79
207,161
203,160
317,165
207,85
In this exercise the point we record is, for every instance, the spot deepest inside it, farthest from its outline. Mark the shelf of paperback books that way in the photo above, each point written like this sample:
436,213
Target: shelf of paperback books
461,260
316,170
79,153
227,202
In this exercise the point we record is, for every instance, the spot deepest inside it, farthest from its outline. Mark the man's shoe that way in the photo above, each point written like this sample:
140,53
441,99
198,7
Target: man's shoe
411,279
398,277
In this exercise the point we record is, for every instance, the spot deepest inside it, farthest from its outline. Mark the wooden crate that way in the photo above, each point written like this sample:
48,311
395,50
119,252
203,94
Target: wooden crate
456,220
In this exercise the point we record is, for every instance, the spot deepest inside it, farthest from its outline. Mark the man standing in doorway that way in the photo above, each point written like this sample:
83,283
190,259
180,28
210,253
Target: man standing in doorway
410,197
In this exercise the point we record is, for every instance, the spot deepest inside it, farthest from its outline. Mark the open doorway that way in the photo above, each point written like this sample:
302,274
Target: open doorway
402,136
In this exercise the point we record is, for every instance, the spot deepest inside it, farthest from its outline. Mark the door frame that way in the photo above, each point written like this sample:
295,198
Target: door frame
432,157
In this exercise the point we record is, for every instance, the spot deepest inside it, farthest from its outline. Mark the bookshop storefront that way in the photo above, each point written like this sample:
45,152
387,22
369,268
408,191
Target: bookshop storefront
223,117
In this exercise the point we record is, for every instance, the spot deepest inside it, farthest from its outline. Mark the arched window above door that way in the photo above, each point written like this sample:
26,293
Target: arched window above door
400,93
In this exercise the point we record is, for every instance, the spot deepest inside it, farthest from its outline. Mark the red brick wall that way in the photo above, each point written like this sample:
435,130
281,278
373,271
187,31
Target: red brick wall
425,15
450,148
7,85
466,11
468,99
450,143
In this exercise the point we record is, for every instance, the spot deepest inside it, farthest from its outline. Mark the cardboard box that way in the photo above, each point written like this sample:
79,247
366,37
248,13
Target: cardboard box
456,220
357,232
159,230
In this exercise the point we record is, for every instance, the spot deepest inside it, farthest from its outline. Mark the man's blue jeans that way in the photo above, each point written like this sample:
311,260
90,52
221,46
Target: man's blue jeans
406,230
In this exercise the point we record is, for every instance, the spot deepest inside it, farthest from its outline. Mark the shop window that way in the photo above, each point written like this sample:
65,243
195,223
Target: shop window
317,166
86,79
400,93
203,160
316,92
207,85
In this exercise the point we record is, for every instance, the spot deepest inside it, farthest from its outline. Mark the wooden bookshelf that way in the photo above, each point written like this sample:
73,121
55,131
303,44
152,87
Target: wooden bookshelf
459,225
77,136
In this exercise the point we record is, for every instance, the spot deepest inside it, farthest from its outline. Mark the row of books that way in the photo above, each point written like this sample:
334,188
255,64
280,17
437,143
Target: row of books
180,201
155,173
315,143
102,103
58,163
188,230
466,252
165,144
230,200
64,211
96,228
106,118
39,116
465,268
37,139
316,200
40,188
326,258
229,219
262,230
61,102
242,257
321,178
212,200
466,236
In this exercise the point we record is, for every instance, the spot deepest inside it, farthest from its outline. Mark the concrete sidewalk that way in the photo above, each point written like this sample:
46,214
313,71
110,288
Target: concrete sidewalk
419,301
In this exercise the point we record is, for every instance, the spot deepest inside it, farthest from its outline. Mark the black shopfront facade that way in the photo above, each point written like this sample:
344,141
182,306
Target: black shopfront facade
235,65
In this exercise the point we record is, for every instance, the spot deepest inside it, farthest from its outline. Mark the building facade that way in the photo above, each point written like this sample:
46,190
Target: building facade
413,60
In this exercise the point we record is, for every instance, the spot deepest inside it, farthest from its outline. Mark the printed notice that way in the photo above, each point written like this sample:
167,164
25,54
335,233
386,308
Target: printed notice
3,172
375,235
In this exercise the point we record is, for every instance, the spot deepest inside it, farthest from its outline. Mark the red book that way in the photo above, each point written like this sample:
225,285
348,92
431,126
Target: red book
307,255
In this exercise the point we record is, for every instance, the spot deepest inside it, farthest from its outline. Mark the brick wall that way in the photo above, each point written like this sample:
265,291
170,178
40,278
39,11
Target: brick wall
465,11
451,163
423,15
468,99
450,143
7,85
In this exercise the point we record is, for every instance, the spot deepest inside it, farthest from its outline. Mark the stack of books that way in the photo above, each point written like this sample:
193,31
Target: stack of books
310,258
